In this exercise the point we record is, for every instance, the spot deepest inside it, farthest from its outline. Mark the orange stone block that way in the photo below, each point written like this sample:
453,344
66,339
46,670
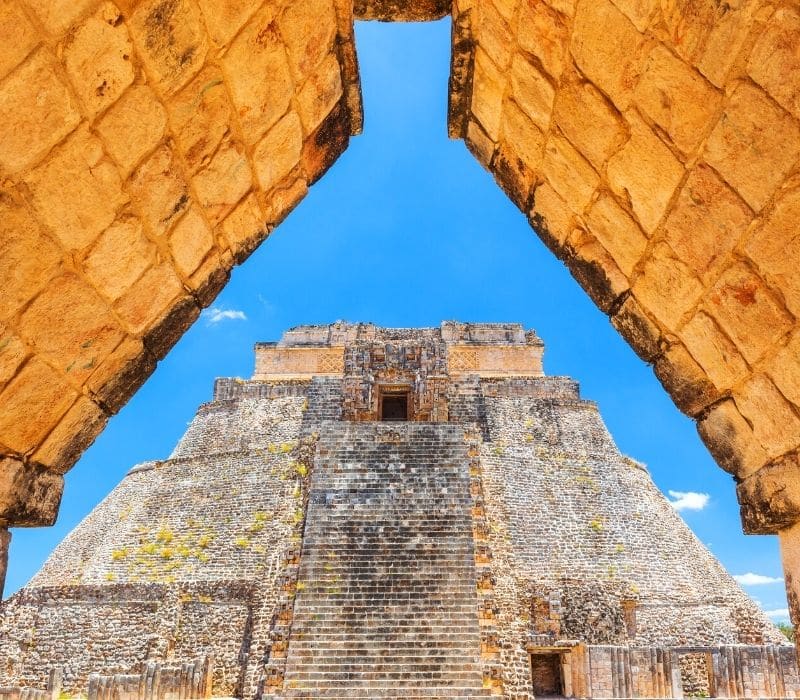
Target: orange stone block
714,351
158,191
279,151
775,425
224,182
320,93
532,91
543,32
569,174
14,22
617,231
308,28
190,242
487,94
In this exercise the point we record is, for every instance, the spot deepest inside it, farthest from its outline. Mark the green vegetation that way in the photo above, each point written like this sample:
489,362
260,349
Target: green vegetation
787,630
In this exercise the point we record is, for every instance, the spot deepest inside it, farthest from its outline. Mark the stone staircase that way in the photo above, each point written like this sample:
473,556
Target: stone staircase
386,601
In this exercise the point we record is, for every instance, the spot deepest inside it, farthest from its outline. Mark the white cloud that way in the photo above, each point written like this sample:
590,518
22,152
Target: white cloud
688,500
778,614
751,579
215,315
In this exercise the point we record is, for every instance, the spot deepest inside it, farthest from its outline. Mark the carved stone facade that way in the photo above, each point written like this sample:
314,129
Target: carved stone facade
488,540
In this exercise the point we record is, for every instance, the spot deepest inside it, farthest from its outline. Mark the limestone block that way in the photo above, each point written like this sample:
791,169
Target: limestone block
685,380
666,287
308,28
283,200
775,424
714,351
149,298
646,172
97,56
608,49
58,15
32,404
595,269
507,8
589,121
73,434
551,217
519,154
493,34
532,91
224,18
171,41
638,329
5,540
747,311
36,112
775,247
320,93
770,498
257,73
754,145
479,144
133,127
14,22
119,257
244,228
775,57
401,10
730,440
77,191
224,182
201,116
543,32
640,12
487,94
676,98
166,330
190,242
706,221
121,374
326,143
617,231
86,331
28,258
158,191
12,354
29,494
784,369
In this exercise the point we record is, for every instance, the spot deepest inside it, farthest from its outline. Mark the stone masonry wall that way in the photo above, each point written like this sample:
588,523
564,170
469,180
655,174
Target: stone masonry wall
145,148
655,147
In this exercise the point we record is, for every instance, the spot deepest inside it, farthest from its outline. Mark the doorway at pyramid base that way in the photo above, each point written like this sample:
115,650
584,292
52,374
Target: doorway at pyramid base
391,513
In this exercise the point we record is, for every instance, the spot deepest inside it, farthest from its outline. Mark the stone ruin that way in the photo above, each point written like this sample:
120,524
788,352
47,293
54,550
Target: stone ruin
387,512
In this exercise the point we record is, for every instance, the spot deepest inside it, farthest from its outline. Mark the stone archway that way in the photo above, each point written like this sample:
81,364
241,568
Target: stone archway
148,146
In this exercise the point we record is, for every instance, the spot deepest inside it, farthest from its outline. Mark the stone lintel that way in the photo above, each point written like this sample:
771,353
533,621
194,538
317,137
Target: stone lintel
770,498
29,494
495,361
401,10
274,362
5,540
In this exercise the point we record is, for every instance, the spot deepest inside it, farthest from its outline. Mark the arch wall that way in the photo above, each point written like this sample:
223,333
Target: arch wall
148,146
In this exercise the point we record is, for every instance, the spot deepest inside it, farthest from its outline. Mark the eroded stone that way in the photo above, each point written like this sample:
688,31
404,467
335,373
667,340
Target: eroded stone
29,494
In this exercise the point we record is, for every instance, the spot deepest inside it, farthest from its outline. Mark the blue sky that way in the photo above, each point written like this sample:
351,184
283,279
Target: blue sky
407,229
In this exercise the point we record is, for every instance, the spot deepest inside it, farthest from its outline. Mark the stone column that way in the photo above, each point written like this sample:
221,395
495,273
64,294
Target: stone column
5,540
790,554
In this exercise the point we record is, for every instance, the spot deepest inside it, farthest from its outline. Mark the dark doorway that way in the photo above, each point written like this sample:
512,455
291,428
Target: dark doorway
546,675
394,407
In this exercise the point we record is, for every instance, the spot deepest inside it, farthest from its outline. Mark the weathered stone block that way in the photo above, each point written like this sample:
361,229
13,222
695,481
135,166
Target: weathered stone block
28,258
32,404
224,182
58,15
86,331
493,34
190,242
774,58
532,91
784,369
258,75
715,352
589,121
543,32
747,311
617,231
705,222
608,49
770,498
684,380
36,112
640,12
479,144
775,424
133,127
73,434
488,88
666,287
171,40
730,440
646,172
166,331
121,374
12,354
319,95
149,298
308,28
519,155
326,143
754,145
5,541
595,269
14,22
550,217
119,257
97,56
282,200
569,174
775,247
244,228
29,494
638,329
676,98
158,190
86,186
224,18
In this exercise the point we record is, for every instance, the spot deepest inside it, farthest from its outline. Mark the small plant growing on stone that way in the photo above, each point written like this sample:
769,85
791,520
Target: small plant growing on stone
620,548
164,535
167,552
596,525
110,576
119,554
242,542
203,541
300,469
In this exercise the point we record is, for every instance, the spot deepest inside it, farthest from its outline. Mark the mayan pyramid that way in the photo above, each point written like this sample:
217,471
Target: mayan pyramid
387,512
